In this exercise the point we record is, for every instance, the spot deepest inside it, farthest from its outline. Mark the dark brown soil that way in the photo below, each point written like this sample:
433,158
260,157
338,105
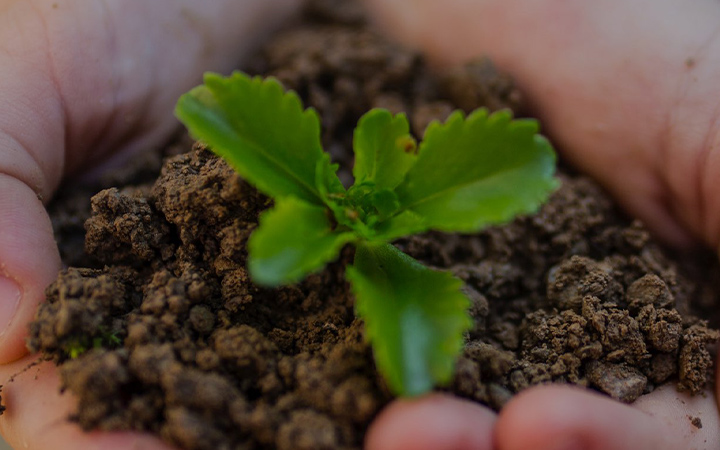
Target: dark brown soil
164,332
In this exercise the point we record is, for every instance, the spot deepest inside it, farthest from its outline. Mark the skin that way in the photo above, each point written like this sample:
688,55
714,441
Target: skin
627,90
81,80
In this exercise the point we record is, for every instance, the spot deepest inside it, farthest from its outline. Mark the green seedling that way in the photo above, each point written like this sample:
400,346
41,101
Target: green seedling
77,346
468,173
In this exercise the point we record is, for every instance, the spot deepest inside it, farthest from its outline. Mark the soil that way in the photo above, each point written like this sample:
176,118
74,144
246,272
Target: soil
157,327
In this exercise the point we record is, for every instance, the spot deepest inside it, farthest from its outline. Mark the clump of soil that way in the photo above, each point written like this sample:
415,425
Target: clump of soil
163,331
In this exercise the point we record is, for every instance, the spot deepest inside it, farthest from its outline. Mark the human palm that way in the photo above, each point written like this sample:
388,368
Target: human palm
628,92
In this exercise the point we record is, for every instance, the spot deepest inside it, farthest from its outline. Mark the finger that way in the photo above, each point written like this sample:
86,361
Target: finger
590,69
563,417
435,422
29,261
36,417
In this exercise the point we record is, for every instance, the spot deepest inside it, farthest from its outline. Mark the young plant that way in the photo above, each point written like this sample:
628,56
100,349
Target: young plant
77,346
466,174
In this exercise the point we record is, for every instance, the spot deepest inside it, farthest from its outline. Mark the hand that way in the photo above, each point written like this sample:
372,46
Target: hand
81,80
629,92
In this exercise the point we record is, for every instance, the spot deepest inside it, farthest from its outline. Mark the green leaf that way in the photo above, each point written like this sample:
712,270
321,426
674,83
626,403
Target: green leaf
384,149
415,317
385,202
293,239
400,225
261,130
477,172
326,180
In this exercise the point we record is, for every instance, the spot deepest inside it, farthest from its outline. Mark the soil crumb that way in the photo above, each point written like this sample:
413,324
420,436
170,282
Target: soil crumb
157,327
696,422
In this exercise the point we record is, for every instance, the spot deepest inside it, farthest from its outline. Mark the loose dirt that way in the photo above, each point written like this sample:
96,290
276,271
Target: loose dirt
157,327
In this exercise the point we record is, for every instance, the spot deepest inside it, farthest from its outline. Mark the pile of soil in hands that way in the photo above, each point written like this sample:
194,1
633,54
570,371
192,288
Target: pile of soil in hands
163,331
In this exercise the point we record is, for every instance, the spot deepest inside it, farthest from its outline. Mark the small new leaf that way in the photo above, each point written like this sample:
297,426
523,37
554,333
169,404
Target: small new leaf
406,223
384,149
326,180
385,202
294,239
479,171
260,129
414,317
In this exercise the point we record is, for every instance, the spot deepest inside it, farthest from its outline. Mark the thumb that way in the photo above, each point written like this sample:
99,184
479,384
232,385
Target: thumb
29,260
31,162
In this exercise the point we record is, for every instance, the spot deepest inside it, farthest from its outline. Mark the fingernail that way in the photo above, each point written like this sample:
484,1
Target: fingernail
9,300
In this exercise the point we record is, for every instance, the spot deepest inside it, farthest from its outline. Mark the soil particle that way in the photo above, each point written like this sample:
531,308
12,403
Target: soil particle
695,361
84,308
662,328
165,332
696,422
570,282
97,379
619,381
649,290
202,319
478,83
187,429
122,225
244,350
308,430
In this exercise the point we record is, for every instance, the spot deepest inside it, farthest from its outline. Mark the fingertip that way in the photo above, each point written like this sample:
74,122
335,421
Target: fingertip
541,416
29,261
434,422
564,417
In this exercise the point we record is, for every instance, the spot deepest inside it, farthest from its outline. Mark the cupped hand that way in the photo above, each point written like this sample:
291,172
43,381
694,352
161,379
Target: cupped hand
628,90
81,80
